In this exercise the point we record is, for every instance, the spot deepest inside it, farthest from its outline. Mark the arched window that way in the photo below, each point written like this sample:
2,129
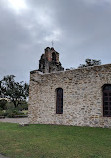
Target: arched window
53,56
59,101
107,100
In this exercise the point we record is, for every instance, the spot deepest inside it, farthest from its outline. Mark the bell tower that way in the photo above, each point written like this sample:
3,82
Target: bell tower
49,61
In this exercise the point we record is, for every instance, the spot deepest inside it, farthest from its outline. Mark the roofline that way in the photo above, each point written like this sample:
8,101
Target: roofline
88,67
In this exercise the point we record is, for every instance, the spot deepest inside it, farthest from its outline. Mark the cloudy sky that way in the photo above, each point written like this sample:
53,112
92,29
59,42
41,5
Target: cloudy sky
80,29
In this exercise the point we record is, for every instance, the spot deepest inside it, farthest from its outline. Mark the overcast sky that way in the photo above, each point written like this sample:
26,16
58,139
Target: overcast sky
80,29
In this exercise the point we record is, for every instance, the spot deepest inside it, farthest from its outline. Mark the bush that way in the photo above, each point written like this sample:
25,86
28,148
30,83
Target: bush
1,113
1,109
9,105
12,113
9,113
22,106
3,104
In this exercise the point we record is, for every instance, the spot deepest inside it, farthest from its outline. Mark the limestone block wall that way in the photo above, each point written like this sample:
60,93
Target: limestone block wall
82,97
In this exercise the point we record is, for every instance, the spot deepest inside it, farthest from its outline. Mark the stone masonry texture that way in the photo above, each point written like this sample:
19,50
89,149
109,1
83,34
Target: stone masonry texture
82,97
49,61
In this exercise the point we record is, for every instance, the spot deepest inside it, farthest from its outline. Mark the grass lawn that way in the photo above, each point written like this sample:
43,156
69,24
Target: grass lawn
51,141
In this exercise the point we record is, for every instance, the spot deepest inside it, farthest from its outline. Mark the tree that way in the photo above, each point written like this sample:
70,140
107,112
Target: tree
15,91
90,62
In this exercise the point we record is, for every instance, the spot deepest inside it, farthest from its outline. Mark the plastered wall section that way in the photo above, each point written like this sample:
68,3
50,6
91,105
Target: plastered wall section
82,97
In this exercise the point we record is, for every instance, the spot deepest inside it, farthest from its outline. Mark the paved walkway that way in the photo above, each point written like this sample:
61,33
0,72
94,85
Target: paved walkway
1,156
15,120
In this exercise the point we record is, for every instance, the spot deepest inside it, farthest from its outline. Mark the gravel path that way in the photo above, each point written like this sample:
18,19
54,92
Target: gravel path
15,120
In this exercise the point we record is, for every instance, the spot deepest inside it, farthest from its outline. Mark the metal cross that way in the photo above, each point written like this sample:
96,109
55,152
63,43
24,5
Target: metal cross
52,43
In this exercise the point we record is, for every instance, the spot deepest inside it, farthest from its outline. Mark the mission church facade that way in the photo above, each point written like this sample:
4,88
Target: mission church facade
79,97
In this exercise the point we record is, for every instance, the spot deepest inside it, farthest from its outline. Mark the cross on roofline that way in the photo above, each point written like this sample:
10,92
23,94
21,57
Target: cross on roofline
52,43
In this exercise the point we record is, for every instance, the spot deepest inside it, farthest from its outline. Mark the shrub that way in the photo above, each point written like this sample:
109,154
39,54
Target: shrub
12,113
1,109
9,113
9,105
22,106
3,104
1,113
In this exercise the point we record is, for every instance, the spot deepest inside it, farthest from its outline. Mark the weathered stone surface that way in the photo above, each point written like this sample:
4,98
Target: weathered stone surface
82,97
49,61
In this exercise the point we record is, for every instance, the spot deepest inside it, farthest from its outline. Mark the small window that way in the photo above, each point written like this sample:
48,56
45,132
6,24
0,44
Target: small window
107,100
59,101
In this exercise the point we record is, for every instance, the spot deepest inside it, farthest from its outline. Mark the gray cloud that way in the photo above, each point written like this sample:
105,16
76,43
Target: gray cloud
80,29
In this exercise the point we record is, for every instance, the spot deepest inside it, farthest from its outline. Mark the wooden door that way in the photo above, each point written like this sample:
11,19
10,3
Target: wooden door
59,101
107,101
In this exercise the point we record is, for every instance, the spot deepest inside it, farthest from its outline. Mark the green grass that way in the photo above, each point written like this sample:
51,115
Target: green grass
51,141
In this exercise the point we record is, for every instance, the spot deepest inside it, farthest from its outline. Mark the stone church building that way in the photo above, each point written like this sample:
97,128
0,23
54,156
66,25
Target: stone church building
79,97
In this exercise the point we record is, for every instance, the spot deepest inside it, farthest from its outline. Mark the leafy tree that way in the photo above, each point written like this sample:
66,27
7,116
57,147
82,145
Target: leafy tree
15,91
90,62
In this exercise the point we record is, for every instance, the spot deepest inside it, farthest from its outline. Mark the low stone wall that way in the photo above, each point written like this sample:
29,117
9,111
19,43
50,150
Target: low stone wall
82,97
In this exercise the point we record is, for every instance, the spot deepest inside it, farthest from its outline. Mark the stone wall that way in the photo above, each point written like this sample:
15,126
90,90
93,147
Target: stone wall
82,97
